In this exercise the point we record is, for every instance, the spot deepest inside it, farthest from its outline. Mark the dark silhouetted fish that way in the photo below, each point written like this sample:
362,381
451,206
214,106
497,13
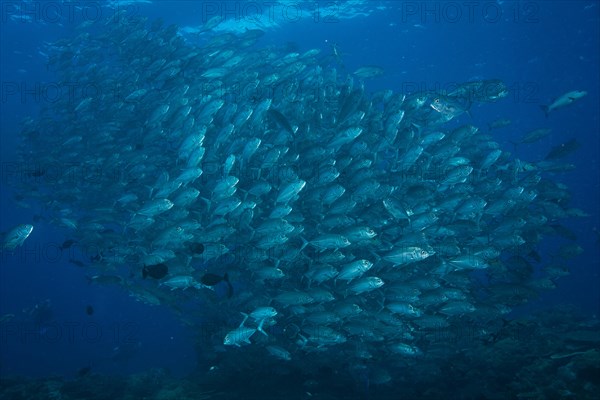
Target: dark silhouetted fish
67,244
562,150
37,173
280,119
77,262
157,271
84,371
196,248
214,279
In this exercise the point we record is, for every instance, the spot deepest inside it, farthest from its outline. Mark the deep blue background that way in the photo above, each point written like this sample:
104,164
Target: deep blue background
540,49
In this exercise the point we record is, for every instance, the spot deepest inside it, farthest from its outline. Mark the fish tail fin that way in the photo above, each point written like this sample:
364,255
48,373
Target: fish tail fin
229,285
382,304
377,256
245,319
545,109
207,201
304,243
260,327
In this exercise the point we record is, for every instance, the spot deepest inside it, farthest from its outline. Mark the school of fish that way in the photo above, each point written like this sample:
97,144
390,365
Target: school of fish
347,222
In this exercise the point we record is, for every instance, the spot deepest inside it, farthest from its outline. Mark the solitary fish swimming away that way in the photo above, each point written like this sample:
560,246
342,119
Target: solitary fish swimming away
564,100
214,279
157,271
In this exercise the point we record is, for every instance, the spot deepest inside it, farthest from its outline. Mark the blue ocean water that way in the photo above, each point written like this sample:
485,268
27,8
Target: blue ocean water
541,50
